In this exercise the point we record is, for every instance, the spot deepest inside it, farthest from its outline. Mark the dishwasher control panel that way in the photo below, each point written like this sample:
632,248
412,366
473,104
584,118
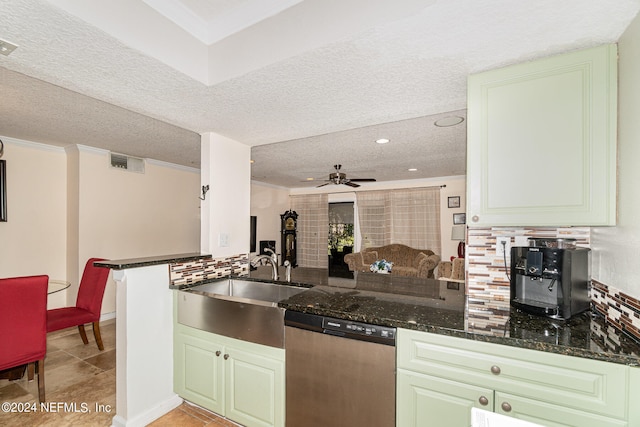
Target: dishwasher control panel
340,327
356,328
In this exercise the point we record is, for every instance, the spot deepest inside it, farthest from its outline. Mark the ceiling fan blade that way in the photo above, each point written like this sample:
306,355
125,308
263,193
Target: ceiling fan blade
351,184
363,179
322,185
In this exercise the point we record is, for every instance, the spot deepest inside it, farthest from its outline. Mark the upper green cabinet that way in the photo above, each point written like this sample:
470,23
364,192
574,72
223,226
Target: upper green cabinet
541,142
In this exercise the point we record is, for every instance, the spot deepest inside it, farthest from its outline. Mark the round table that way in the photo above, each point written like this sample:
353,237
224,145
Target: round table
57,286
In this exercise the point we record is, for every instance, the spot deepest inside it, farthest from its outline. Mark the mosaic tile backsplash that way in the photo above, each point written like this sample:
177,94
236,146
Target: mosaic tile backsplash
208,268
486,275
621,310
487,279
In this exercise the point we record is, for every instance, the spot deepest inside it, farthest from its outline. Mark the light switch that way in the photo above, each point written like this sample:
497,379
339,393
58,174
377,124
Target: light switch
223,240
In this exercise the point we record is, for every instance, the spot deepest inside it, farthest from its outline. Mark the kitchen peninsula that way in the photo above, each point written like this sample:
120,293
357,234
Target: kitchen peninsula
145,324
144,337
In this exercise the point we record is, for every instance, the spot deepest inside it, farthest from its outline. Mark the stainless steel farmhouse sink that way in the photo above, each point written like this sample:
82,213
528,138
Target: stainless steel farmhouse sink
237,308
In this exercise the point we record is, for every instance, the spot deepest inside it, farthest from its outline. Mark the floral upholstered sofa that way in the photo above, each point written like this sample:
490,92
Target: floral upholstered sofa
407,261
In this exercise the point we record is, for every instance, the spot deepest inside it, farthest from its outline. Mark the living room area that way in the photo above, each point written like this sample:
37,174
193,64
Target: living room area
414,218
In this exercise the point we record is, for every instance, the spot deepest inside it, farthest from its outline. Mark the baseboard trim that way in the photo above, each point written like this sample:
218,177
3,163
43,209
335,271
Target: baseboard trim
149,416
107,316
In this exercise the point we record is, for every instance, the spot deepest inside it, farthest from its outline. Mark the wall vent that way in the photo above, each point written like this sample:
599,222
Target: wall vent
128,163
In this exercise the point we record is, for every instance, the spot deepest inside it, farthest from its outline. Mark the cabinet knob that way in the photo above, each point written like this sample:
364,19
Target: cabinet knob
218,353
495,370
475,218
483,401
226,356
506,407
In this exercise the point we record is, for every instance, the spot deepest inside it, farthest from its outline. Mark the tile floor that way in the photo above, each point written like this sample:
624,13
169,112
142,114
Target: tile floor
80,385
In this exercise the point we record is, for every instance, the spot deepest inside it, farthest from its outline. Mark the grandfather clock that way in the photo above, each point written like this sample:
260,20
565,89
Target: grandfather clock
288,226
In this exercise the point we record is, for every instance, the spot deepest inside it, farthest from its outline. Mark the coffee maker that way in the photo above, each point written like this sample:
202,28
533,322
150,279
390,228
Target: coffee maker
550,278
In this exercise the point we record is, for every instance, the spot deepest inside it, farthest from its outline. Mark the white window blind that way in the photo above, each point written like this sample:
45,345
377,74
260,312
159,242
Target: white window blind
313,229
409,216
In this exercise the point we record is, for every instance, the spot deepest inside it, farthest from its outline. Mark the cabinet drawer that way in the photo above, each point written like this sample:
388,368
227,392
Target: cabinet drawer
550,415
567,381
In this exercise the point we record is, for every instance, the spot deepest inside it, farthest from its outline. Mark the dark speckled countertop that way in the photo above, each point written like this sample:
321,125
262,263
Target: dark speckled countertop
441,307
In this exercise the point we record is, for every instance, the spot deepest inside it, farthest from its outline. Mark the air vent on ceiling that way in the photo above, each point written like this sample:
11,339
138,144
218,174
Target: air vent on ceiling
128,163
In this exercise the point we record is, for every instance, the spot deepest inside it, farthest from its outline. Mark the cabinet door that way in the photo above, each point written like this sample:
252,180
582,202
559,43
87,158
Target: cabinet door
541,142
550,415
427,401
255,388
198,371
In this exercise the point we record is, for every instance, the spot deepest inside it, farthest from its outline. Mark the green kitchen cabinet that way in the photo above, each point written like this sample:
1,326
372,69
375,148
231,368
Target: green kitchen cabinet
425,400
242,381
541,142
440,378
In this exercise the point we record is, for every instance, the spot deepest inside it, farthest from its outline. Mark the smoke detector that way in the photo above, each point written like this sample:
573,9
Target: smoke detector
7,47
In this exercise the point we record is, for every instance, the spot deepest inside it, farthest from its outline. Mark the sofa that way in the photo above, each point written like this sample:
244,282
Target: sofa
406,261
451,270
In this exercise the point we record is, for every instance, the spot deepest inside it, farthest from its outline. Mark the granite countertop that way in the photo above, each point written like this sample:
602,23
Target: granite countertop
441,307
122,264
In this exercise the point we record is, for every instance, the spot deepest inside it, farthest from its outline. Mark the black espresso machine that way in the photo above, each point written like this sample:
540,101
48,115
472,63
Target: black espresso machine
550,277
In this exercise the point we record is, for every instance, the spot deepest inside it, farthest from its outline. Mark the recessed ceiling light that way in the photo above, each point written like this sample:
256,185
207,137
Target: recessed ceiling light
382,140
309,179
7,47
449,121
252,161
412,169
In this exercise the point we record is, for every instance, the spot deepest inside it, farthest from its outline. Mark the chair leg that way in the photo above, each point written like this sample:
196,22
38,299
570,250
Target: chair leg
31,367
83,334
40,367
96,334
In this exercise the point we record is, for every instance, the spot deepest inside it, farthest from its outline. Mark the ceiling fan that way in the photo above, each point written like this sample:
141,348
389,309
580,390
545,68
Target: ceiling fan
338,177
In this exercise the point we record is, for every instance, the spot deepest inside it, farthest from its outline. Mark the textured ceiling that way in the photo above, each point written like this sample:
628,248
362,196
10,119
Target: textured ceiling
70,82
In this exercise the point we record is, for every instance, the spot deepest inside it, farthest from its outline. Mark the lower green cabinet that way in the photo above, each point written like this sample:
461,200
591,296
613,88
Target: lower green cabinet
242,381
425,400
440,378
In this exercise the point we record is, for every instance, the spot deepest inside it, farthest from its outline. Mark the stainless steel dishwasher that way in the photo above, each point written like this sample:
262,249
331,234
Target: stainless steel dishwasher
339,372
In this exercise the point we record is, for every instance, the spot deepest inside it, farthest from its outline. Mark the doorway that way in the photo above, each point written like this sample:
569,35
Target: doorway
341,238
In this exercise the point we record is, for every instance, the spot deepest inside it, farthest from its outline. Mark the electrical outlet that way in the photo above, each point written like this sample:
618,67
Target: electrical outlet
503,245
223,240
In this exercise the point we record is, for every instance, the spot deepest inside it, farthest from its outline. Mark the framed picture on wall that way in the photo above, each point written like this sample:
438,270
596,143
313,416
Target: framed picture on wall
3,190
459,218
454,202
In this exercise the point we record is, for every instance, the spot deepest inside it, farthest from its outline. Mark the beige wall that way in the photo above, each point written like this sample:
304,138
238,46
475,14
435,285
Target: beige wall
615,249
81,208
33,240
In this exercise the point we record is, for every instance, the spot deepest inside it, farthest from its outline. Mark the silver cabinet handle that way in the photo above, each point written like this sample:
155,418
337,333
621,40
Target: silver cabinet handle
483,401
506,407
218,353
495,370
226,356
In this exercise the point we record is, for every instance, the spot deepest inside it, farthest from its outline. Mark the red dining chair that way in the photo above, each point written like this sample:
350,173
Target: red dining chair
88,304
23,325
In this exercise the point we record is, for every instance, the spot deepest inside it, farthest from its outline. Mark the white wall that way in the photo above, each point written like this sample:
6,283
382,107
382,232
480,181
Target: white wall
65,206
226,169
615,249
267,204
